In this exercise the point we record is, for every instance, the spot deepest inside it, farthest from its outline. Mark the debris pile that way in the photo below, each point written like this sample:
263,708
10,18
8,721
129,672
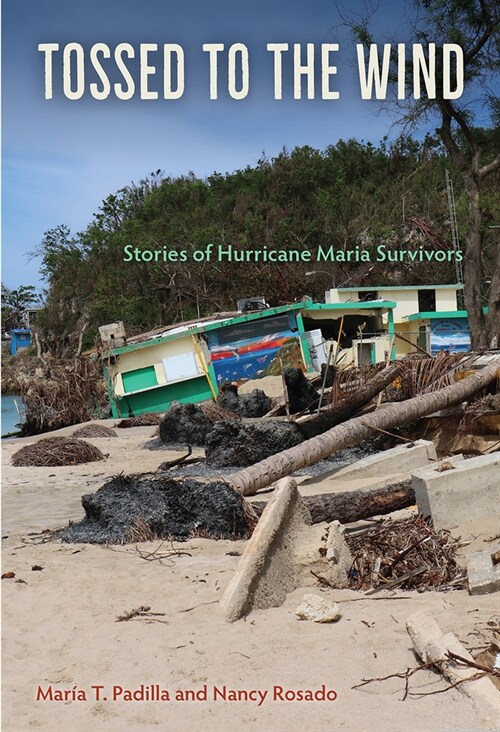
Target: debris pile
302,396
254,404
142,420
94,430
185,423
237,444
420,374
130,508
408,554
215,411
228,397
56,451
60,394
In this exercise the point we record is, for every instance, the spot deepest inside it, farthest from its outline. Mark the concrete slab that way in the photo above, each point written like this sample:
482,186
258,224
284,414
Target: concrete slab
469,490
481,690
285,552
433,646
419,478
483,574
266,571
400,459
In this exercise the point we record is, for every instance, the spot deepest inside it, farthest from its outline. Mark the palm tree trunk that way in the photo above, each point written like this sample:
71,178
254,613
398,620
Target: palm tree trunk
249,480
349,506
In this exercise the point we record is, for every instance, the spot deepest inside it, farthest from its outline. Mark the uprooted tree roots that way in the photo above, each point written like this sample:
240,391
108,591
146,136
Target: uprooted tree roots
56,451
61,395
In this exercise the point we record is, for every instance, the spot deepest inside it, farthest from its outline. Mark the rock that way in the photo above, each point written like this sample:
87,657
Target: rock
318,609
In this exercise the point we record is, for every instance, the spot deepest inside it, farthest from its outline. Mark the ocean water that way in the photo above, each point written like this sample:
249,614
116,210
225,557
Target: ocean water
10,416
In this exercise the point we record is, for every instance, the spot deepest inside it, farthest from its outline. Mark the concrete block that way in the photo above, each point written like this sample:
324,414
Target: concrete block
422,629
338,556
419,477
266,572
323,550
400,459
113,335
482,573
467,492
433,646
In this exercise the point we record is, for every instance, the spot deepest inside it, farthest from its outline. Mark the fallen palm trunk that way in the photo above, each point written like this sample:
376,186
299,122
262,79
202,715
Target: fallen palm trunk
313,425
351,506
249,480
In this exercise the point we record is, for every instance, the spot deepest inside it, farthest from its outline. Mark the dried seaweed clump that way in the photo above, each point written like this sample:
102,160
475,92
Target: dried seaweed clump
56,451
236,444
94,430
142,420
185,423
131,508
254,404
215,412
409,554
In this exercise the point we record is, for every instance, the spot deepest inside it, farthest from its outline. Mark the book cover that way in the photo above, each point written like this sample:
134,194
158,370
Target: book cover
199,195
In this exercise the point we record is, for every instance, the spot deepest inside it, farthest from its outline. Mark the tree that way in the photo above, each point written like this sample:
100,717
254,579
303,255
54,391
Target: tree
474,26
249,480
15,302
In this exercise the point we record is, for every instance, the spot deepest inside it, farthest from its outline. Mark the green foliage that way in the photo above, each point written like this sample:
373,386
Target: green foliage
15,302
351,193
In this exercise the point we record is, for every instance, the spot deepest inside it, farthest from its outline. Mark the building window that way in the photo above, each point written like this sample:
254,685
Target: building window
427,301
139,379
368,296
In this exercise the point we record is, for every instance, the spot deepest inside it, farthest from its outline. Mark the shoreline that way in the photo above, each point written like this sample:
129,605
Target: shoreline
61,630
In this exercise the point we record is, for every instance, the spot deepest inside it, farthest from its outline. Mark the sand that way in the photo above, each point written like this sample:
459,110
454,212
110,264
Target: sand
60,629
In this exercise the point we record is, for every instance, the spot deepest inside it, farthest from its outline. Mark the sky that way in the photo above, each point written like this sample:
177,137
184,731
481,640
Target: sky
62,157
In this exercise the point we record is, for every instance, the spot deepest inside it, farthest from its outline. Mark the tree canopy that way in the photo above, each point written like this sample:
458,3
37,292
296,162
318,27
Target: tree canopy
351,194
473,25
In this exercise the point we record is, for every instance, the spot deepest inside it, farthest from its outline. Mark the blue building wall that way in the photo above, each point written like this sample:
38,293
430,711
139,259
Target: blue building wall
21,338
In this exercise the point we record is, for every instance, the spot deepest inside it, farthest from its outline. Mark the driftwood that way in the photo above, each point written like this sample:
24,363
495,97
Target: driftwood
249,480
349,506
313,425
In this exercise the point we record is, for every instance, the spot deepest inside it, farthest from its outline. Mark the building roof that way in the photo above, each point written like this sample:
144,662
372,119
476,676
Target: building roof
324,309
193,327
440,314
202,325
376,288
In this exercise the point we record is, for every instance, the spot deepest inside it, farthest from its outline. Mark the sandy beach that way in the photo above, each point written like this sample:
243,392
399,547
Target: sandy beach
60,629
